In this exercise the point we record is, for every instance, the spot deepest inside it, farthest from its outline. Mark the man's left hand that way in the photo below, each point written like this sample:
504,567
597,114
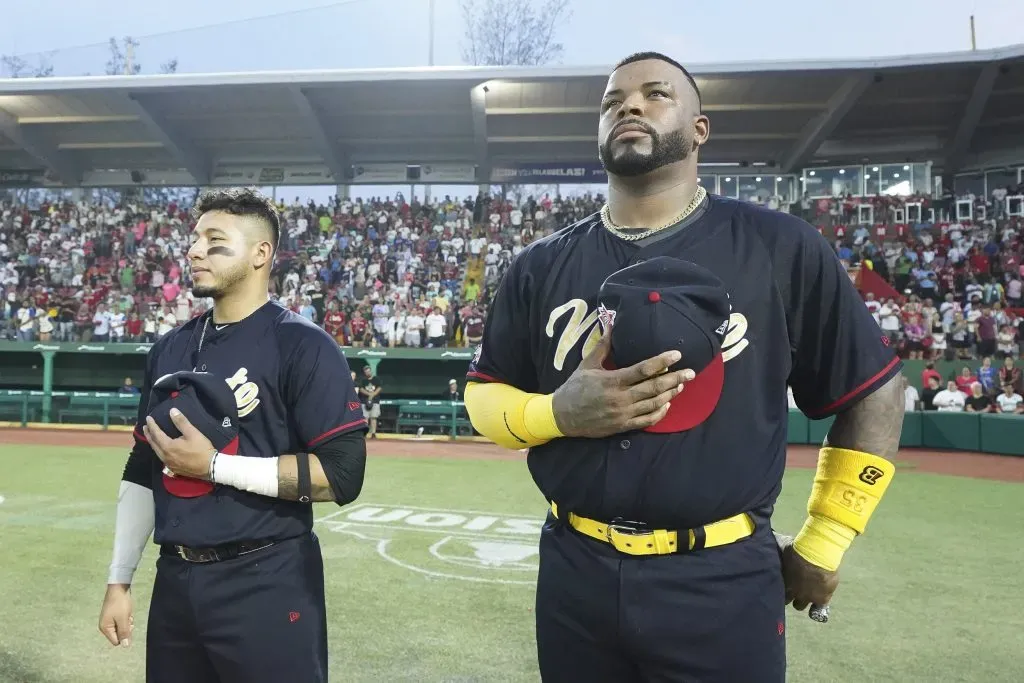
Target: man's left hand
806,583
189,455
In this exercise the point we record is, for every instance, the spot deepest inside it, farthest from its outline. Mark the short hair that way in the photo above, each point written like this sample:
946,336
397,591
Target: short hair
641,56
241,201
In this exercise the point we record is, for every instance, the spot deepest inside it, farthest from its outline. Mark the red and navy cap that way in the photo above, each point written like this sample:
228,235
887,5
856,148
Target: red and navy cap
663,304
208,403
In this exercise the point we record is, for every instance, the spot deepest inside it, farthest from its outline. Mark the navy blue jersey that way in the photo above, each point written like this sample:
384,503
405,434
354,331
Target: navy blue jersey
796,319
294,392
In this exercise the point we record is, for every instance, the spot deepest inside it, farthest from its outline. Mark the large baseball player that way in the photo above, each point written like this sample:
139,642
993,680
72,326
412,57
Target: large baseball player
642,355
239,590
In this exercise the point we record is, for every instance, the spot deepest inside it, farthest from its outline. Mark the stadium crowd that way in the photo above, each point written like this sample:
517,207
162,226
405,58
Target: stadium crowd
391,273
377,272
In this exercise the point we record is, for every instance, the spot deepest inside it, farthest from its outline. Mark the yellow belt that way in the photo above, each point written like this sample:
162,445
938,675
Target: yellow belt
633,541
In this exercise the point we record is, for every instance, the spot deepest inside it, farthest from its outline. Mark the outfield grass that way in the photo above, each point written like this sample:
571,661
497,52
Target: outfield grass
933,593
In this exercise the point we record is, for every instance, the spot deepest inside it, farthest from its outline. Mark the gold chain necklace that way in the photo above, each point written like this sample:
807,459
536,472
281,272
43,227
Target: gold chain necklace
631,236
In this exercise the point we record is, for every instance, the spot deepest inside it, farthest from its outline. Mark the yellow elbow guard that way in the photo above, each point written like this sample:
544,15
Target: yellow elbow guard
510,417
847,488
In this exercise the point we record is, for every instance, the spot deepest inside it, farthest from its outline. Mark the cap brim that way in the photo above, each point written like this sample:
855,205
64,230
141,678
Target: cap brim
187,487
697,401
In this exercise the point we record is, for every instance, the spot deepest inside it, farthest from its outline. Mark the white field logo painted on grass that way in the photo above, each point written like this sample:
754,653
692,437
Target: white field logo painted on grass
466,545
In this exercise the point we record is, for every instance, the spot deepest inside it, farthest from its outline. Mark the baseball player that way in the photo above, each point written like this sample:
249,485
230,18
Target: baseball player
642,356
239,589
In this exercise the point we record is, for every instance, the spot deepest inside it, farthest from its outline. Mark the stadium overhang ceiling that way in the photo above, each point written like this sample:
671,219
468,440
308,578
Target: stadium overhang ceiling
960,110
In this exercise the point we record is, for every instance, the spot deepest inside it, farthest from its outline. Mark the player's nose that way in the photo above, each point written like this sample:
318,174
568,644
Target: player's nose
632,105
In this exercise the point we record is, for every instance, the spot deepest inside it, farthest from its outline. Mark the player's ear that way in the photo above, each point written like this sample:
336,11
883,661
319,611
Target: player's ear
263,254
701,130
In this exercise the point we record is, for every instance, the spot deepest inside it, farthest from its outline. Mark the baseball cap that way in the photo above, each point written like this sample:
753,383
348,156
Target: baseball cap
662,304
208,403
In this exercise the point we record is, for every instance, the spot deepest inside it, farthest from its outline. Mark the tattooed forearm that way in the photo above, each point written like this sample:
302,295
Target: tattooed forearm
873,424
288,480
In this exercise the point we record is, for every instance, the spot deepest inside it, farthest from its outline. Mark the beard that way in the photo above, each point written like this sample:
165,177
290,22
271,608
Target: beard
225,282
630,163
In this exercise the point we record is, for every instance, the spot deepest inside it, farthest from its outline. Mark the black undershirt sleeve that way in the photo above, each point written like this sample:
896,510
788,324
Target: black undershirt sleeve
343,459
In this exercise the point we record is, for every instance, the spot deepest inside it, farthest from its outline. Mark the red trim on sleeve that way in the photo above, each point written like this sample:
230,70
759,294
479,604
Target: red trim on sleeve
332,432
486,378
850,395
139,435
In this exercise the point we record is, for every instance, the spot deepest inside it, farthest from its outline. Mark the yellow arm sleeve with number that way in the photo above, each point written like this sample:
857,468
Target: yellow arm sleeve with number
847,488
510,417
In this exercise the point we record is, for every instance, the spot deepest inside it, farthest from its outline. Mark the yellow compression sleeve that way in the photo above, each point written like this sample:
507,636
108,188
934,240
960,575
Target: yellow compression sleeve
847,488
509,417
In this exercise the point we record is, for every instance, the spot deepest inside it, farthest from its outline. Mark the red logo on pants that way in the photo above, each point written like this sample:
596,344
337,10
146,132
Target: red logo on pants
293,617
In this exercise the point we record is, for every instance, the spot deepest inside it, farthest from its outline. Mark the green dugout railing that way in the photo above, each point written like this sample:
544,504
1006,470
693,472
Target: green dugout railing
981,433
108,408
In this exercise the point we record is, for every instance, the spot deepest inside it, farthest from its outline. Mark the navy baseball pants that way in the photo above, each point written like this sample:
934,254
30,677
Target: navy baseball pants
712,616
256,618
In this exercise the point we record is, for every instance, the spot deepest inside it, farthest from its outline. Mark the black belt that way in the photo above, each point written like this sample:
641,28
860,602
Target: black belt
217,554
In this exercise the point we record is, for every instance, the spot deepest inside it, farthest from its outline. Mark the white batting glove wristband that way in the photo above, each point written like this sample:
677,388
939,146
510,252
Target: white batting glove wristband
256,475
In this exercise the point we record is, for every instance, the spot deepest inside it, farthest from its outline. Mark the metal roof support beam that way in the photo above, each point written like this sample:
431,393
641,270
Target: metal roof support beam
332,156
970,118
819,128
190,158
478,102
45,153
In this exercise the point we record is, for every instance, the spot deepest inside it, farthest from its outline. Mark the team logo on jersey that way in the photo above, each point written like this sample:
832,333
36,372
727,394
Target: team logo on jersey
605,316
586,323
246,392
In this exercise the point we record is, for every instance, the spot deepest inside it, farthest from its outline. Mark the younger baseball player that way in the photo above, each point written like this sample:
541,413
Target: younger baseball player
239,590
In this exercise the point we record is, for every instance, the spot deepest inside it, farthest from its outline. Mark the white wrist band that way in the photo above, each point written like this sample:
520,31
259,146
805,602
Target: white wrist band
136,517
256,475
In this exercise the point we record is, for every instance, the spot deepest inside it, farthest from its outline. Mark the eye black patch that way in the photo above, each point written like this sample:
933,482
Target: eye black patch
220,251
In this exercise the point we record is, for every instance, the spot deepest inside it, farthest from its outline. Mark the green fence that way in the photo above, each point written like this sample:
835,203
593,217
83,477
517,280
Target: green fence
72,379
405,373
981,433
111,408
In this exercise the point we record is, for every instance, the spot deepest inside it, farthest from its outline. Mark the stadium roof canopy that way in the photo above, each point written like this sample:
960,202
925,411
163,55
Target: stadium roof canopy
960,110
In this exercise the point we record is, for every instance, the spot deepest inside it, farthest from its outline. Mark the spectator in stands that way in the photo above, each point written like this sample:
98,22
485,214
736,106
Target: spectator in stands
436,325
979,401
929,392
128,387
986,332
1010,402
950,399
26,317
929,372
1006,342
917,337
988,376
101,324
474,326
889,315
912,401
334,322
358,329
959,333
1010,374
